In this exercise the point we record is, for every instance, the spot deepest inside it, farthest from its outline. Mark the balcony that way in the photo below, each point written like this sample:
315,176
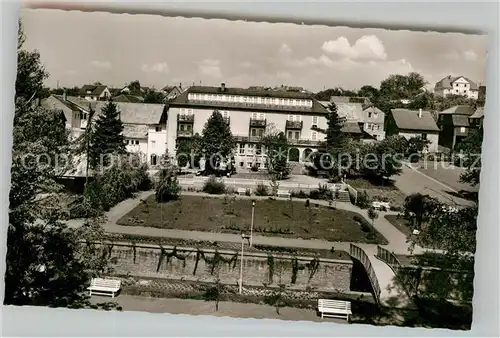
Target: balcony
184,133
187,118
248,139
303,142
258,123
294,124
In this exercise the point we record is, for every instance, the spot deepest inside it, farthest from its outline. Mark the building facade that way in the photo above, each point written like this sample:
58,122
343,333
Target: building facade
459,85
411,123
95,92
454,125
250,113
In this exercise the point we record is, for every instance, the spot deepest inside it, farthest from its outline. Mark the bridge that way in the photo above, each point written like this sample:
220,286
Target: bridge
380,266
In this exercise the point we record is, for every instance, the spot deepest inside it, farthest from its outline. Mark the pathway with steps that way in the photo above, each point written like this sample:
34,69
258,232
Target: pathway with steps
389,293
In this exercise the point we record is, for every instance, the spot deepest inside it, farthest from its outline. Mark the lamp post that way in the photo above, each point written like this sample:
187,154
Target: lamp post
251,225
243,237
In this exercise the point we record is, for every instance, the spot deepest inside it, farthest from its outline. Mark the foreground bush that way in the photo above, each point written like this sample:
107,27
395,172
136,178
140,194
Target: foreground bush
214,186
261,190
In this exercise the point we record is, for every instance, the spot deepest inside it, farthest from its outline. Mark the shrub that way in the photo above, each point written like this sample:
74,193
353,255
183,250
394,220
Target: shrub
299,194
214,186
363,200
230,191
363,223
248,192
168,189
254,167
396,208
261,190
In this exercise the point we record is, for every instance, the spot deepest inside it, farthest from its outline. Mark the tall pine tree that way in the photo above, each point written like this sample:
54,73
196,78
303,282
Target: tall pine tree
335,138
107,137
217,141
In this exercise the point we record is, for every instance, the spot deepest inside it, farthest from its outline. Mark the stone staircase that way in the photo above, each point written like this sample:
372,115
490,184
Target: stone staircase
344,197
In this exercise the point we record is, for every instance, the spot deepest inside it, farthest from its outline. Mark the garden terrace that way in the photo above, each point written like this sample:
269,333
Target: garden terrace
272,218
387,193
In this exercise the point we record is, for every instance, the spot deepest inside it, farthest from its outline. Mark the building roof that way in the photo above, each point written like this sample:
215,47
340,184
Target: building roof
479,113
460,120
459,110
182,100
351,127
410,120
135,130
128,98
250,92
94,89
136,113
446,82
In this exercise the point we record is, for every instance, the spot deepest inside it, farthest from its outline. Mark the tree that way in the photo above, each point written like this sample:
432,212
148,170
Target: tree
217,142
154,97
418,209
369,92
397,86
107,138
277,147
415,146
168,187
326,94
470,147
46,263
382,159
135,86
188,151
335,138
373,215
30,71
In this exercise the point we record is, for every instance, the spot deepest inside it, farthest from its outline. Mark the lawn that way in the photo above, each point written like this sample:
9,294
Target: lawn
272,218
387,192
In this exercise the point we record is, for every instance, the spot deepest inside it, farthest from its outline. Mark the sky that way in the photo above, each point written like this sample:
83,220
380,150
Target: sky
80,48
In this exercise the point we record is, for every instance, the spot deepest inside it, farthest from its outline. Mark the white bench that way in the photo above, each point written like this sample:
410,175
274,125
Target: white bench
334,308
381,205
104,286
243,191
283,193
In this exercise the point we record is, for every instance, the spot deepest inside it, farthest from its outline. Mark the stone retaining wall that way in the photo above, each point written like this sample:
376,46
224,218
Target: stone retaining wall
193,264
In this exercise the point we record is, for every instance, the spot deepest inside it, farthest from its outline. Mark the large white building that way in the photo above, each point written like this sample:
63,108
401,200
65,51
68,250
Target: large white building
458,85
249,112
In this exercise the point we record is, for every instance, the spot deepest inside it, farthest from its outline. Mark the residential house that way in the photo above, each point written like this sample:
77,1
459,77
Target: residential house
95,92
454,125
457,85
476,119
171,92
249,113
128,98
374,122
356,125
411,123
144,123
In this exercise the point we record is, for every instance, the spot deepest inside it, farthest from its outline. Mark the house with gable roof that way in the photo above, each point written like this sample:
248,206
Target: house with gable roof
454,124
457,85
413,123
95,92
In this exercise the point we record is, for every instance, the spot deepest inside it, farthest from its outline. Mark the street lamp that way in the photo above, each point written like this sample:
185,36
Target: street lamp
251,225
243,237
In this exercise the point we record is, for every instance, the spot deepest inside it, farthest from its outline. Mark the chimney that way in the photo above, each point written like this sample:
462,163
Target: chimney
420,113
180,85
222,87
64,95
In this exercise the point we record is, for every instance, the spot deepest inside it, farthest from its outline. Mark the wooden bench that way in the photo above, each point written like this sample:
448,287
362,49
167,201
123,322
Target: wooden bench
104,287
283,193
334,308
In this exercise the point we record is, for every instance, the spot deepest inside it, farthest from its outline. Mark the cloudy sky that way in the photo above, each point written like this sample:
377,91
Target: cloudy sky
79,48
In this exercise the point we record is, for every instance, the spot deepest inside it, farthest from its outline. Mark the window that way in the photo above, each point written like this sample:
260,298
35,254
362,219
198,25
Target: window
258,149
369,115
137,142
188,127
254,116
190,112
242,149
297,135
158,128
462,129
290,134
315,122
153,159
181,111
261,132
424,136
254,132
314,135
261,116
153,144
219,97
244,99
126,141
249,164
242,164
294,102
181,127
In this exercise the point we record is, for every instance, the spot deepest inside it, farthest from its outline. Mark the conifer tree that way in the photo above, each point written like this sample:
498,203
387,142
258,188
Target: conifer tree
107,137
217,141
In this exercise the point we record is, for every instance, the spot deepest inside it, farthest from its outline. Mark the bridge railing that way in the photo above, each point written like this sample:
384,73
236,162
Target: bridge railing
361,256
408,282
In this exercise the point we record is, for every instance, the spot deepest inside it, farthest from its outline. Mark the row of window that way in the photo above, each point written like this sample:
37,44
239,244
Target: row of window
132,142
250,99
372,126
374,114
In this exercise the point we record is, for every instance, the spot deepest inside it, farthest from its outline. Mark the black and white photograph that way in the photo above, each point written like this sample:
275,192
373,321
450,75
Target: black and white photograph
231,168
